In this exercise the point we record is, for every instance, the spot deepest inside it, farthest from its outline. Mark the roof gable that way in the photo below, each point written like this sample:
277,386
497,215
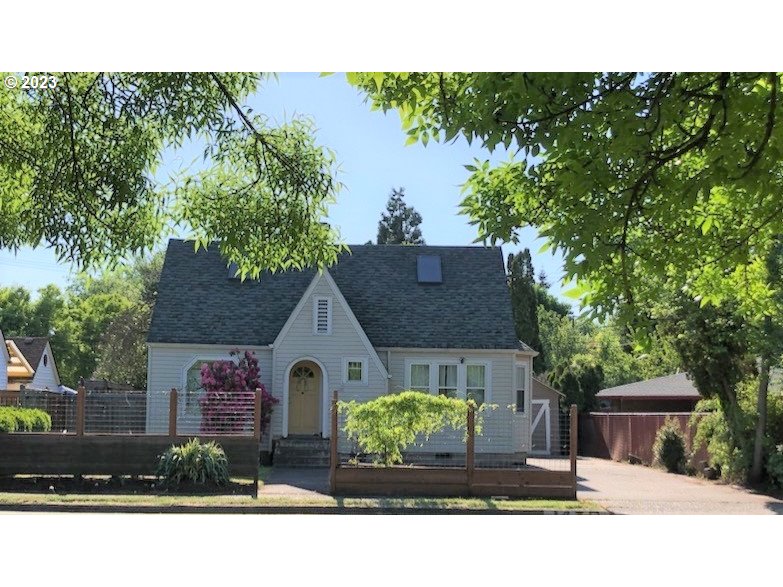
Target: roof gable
471,308
32,347
677,386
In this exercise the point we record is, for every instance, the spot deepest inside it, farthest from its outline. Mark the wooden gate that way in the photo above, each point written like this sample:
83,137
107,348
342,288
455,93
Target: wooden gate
541,429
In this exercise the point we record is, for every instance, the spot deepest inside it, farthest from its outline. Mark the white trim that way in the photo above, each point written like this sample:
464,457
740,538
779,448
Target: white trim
462,373
355,323
316,302
464,351
325,428
373,354
201,345
363,361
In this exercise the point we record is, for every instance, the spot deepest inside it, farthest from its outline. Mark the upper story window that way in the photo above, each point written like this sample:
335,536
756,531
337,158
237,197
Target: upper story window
45,360
322,315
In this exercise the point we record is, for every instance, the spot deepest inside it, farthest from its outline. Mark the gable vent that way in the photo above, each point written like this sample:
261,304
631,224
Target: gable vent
322,315
428,269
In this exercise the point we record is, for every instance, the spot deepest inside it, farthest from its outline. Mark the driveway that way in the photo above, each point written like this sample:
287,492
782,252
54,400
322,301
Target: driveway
636,489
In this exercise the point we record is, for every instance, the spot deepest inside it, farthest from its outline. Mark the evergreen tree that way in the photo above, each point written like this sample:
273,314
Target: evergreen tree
399,225
524,301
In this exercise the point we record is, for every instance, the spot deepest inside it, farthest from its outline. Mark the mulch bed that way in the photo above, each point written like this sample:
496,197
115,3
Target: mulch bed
116,486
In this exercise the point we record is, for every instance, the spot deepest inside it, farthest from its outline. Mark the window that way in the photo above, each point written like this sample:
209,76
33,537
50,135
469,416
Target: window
355,370
447,380
322,315
420,377
45,360
520,378
476,386
193,388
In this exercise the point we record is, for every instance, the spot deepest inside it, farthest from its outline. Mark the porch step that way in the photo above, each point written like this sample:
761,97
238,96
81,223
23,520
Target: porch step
301,451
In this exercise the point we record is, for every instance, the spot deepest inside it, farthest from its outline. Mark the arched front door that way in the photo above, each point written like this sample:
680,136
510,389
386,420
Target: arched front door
304,397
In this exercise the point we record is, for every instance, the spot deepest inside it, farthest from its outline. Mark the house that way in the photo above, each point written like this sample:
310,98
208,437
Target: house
382,319
27,362
671,393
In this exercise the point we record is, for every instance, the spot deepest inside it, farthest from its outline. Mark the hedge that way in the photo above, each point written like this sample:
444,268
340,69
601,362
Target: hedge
13,419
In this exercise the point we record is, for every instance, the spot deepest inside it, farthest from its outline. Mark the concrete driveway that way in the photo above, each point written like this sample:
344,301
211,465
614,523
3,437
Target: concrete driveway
636,489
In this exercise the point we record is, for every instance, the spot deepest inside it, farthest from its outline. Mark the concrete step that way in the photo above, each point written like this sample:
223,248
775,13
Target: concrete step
301,451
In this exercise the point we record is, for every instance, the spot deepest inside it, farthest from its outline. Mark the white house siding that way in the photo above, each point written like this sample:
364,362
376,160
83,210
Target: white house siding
503,432
167,365
345,340
45,377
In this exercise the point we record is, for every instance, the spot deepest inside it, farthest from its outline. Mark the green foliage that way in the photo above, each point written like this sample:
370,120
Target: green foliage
775,465
580,380
524,302
79,171
639,179
194,462
13,419
669,446
388,424
399,225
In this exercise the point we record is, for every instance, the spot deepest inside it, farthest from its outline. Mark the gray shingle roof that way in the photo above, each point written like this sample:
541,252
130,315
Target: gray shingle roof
32,347
197,303
670,386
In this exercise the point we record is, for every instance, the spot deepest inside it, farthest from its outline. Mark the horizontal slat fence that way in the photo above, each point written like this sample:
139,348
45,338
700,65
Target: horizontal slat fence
464,474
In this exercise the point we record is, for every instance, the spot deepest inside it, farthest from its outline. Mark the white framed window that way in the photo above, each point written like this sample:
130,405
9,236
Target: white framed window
476,383
355,370
520,387
322,315
447,380
419,377
452,377
193,388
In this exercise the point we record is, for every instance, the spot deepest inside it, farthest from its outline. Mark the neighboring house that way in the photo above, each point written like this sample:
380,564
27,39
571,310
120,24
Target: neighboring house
28,363
672,393
383,319
546,419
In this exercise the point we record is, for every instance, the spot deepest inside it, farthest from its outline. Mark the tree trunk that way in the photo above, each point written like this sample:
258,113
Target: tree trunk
761,424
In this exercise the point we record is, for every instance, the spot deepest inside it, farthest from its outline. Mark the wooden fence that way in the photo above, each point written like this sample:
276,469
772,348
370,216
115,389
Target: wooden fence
366,479
84,453
622,436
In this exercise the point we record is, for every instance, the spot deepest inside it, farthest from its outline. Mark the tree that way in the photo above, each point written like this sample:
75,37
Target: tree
79,164
580,380
122,352
647,183
524,302
399,225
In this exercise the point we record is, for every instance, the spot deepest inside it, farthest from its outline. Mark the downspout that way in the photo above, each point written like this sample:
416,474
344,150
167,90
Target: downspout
388,371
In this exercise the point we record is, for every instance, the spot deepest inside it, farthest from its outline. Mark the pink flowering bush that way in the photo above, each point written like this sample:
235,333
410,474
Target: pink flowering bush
228,401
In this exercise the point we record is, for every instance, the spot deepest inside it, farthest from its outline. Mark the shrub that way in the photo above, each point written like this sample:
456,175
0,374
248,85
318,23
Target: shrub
13,419
7,421
228,402
388,424
775,465
669,447
194,462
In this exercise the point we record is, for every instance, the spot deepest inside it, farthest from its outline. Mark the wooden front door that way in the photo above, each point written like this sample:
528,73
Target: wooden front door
304,395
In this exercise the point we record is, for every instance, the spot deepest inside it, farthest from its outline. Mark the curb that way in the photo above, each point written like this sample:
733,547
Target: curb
184,509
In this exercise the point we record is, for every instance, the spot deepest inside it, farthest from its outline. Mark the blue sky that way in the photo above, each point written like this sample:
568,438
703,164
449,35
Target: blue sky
370,148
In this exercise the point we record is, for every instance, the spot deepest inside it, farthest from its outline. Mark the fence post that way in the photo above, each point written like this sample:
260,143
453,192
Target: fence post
173,413
470,449
257,415
81,394
572,443
333,446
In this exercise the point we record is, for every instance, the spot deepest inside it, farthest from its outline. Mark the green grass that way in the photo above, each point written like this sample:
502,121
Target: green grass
293,501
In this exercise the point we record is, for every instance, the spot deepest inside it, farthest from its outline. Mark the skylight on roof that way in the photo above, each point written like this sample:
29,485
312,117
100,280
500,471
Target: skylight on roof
428,269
